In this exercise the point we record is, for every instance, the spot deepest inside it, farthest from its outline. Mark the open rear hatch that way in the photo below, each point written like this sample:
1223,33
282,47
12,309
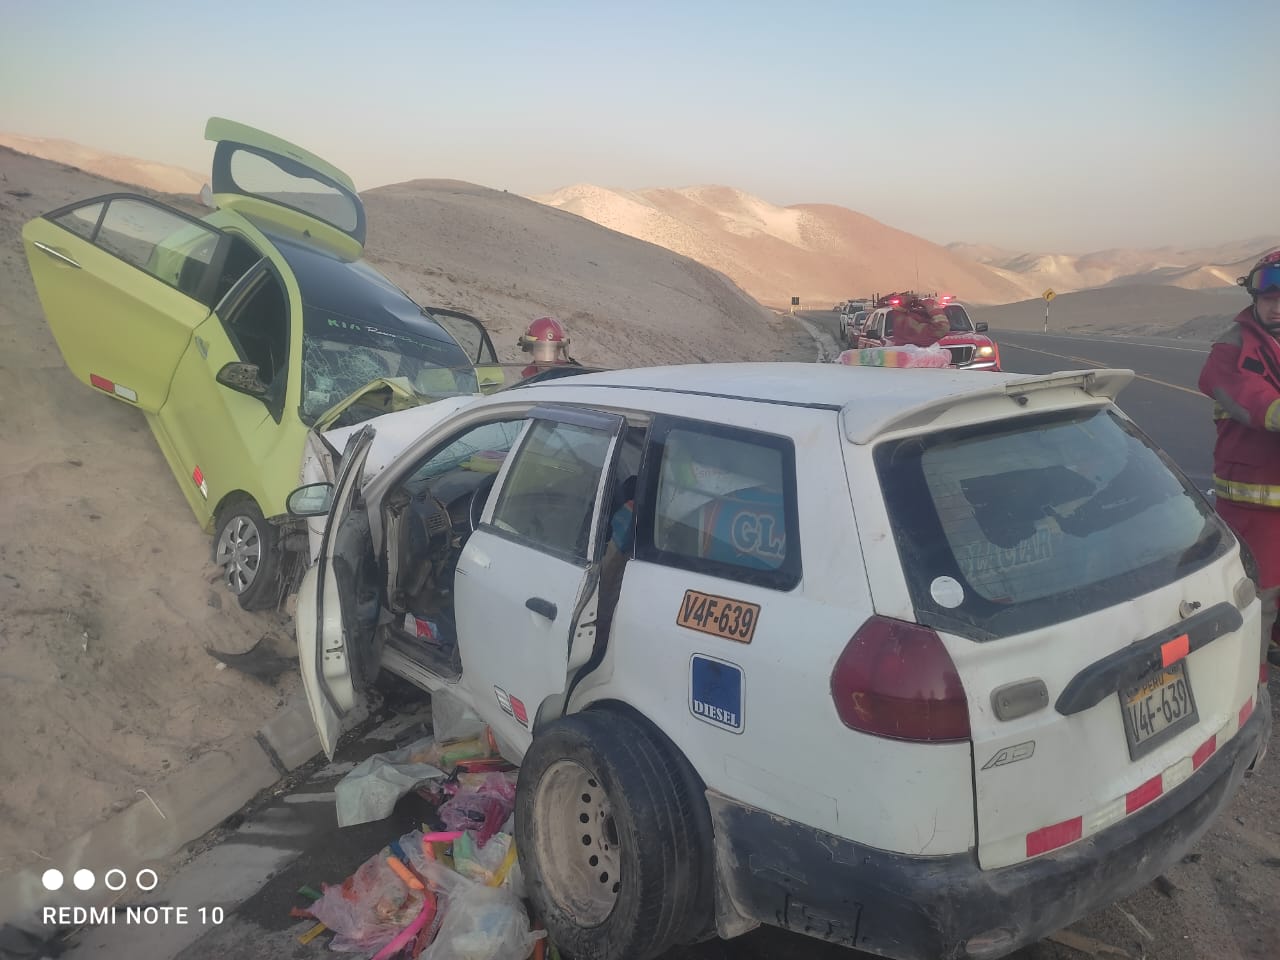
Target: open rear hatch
291,189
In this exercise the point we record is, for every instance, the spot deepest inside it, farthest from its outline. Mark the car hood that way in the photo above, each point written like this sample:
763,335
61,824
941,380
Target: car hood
381,395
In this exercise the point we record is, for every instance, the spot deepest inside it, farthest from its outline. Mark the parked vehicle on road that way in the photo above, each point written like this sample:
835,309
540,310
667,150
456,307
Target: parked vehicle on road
970,346
926,664
237,333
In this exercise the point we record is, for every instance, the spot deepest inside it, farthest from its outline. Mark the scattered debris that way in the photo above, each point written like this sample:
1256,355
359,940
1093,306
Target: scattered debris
1136,924
1094,948
153,803
19,193
1164,885
435,894
259,661
1192,858
370,791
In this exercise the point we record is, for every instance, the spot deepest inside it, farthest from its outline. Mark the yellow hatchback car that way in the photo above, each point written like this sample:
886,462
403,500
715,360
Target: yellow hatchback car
237,333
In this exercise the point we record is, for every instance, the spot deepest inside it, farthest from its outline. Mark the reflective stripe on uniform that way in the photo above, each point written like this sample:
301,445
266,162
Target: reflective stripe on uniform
1272,421
1263,494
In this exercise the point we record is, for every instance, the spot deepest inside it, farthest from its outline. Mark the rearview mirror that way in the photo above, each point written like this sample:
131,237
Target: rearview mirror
981,326
313,500
243,378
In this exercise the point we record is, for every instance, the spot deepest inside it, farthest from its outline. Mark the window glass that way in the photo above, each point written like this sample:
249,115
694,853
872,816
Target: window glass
958,318
165,245
549,495
722,499
481,449
81,220
299,188
1013,526
469,334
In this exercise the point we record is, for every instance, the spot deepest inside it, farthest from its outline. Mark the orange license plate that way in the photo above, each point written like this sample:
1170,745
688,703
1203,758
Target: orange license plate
719,616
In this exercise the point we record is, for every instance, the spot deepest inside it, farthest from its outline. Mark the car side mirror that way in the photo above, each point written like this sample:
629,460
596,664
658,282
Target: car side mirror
981,326
243,378
313,500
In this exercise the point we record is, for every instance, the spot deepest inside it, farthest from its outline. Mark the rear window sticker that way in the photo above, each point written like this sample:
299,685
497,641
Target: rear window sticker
947,592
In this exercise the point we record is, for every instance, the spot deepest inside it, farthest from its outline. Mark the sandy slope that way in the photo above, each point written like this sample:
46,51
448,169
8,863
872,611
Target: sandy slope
111,166
105,601
1205,268
507,260
819,252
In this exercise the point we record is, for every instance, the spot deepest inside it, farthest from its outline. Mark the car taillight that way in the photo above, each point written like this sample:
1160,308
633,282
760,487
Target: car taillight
895,679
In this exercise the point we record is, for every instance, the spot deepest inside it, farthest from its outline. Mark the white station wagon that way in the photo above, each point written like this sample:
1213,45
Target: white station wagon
919,662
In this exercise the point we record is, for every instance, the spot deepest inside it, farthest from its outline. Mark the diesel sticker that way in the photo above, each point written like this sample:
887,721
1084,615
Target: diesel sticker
716,692
718,616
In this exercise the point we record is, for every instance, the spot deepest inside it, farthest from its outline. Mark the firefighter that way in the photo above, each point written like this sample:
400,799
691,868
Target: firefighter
918,323
1242,377
548,342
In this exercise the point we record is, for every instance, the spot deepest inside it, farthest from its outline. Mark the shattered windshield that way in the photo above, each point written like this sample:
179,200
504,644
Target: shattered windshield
341,355
358,326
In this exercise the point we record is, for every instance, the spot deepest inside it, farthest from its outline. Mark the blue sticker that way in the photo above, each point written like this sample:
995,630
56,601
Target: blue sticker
715,692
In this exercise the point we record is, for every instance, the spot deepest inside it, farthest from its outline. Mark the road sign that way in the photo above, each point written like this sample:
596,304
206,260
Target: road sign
1048,295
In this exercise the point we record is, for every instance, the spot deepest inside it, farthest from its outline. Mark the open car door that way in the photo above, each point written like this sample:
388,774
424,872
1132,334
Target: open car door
331,647
292,190
124,281
527,579
475,341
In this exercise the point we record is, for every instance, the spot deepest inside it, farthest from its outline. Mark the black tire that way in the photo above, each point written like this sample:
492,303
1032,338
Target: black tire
248,549
662,844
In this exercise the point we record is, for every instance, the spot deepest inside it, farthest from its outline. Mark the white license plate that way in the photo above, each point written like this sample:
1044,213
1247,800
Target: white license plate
1157,707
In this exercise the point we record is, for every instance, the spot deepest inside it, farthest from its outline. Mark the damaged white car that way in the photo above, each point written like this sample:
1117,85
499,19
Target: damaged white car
921,663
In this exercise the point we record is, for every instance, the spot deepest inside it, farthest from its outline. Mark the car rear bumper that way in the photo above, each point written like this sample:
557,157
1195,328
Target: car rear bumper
930,908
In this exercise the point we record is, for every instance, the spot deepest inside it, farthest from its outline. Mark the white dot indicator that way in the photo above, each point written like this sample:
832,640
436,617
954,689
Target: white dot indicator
83,879
52,879
115,879
947,592
155,880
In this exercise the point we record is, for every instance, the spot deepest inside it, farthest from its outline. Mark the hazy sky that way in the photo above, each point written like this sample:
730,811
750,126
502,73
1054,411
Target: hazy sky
1056,126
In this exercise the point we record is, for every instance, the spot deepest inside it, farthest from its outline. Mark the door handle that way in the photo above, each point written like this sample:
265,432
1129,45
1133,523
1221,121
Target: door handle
55,253
544,608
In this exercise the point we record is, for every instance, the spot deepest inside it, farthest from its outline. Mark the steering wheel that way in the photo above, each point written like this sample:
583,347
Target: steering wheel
478,497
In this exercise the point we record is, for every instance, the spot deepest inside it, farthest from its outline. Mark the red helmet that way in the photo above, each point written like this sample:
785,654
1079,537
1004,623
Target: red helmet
547,339
1264,277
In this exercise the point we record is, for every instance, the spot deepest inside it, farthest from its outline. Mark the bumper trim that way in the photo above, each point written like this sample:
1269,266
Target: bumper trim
906,907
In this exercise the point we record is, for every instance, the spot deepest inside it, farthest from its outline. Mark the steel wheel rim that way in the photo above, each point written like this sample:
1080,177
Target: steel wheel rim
579,855
239,552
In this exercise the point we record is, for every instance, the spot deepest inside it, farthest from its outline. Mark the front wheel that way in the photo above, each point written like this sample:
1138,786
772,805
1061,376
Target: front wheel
615,844
248,550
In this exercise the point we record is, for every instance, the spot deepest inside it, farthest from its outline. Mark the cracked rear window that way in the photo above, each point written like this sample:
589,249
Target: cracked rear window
1012,526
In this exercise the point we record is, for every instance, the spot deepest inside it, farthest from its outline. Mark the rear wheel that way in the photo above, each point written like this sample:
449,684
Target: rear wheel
614,843
248,550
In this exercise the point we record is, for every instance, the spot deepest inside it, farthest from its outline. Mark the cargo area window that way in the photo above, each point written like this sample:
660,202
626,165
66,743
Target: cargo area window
1012,526
721,501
